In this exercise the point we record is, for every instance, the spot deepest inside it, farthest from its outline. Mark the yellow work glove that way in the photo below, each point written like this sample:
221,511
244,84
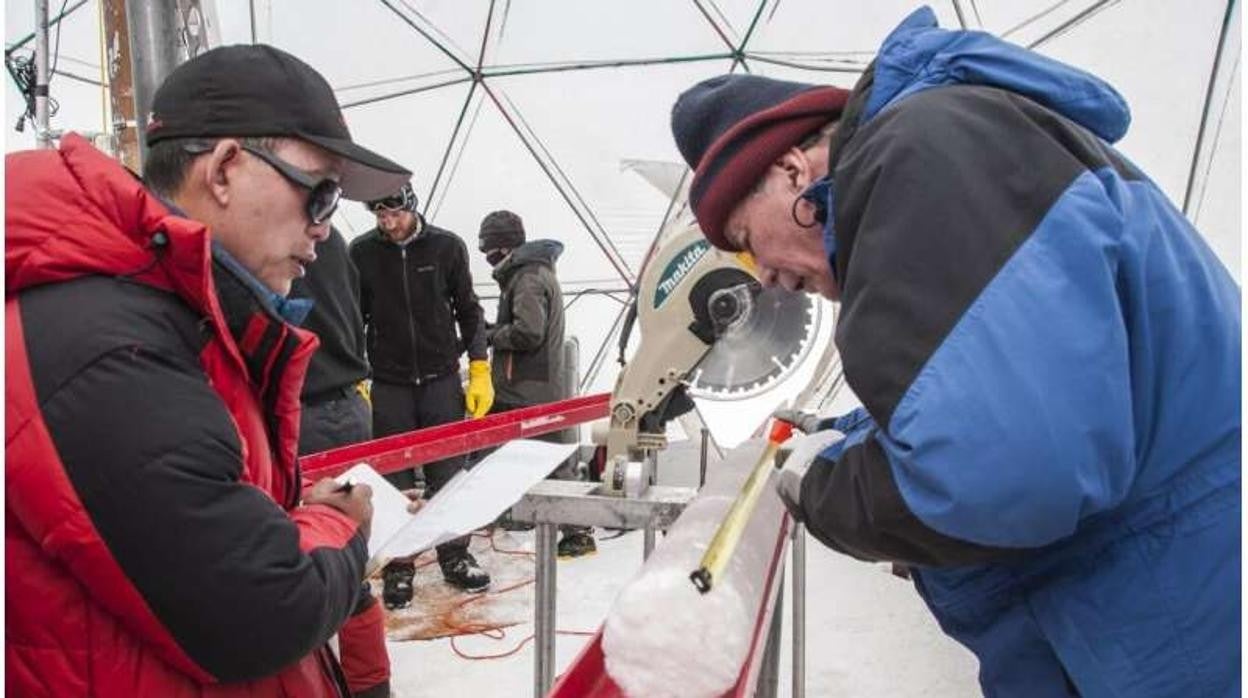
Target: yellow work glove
365,389
479,397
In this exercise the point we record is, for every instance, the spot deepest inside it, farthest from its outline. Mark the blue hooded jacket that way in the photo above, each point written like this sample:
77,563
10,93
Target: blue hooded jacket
1050,357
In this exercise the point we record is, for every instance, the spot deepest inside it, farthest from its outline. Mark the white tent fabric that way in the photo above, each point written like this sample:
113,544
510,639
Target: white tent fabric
547,108
559,111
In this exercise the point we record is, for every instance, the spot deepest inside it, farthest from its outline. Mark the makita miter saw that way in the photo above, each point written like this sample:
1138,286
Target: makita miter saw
708,329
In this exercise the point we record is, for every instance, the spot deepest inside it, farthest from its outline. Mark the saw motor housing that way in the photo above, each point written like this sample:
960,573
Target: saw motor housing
690,293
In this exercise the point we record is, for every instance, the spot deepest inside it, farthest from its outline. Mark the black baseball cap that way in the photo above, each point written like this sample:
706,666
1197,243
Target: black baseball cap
254,90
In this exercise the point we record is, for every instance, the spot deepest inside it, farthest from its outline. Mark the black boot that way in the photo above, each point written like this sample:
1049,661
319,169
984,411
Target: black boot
396,589
576,543
462,571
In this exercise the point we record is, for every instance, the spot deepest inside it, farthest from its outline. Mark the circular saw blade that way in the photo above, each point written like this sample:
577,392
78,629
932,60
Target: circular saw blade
759,351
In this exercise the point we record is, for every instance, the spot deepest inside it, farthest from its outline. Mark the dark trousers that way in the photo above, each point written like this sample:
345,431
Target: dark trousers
341,419
399,408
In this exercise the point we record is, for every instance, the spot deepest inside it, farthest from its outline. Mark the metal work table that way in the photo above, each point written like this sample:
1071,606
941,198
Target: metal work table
554,502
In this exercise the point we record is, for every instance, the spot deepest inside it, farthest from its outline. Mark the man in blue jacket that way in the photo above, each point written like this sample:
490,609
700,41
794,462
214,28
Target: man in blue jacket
1047,352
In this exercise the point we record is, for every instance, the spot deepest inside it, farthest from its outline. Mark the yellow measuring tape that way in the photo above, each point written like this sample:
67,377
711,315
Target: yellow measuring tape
728,536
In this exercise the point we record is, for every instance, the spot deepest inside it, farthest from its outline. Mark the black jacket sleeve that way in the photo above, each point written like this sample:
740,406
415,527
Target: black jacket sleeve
852,505
357,253
464,302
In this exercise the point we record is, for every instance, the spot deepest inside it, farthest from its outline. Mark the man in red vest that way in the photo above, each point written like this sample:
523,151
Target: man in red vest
158,540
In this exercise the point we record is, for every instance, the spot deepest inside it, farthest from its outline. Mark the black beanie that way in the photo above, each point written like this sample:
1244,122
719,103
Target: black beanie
501,230
731,128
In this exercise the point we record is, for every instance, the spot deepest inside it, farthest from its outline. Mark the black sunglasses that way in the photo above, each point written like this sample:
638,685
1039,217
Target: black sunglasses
323,192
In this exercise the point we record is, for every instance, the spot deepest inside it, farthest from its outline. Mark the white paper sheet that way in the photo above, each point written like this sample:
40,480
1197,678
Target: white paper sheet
472,499
389,505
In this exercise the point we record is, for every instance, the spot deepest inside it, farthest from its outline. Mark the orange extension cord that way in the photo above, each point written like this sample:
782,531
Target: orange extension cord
495,632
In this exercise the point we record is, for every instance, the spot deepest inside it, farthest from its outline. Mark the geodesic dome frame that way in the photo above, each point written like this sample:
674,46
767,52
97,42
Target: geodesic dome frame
554,109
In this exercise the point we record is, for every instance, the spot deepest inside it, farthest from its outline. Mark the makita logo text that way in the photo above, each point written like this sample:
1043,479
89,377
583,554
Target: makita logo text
677,269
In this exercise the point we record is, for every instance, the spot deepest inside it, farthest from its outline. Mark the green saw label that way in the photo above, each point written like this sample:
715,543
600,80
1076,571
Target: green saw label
677,269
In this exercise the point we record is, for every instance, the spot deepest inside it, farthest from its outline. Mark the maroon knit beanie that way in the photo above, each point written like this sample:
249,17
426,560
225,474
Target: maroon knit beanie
731,128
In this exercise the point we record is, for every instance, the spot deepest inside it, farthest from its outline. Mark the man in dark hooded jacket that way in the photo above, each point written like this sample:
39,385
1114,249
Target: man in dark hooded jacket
527,338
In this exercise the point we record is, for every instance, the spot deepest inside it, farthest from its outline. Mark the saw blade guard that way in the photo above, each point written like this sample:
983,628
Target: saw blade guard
760,347
707,328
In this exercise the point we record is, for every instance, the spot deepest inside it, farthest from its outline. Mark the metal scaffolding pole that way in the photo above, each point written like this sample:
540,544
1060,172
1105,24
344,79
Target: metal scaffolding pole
163,33
43,133
153,52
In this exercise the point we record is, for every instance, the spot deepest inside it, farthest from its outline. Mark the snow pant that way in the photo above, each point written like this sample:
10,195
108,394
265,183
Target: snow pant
362,649
340,418
399,408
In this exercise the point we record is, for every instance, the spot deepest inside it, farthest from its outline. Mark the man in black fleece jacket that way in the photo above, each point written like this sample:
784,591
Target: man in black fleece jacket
415,290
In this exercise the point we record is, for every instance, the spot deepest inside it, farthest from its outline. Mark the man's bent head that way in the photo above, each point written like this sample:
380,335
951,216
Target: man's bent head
755,145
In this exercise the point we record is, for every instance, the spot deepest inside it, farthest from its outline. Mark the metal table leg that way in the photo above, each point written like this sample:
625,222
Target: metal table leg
544,611
799,610
706,439
647,542
551,502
